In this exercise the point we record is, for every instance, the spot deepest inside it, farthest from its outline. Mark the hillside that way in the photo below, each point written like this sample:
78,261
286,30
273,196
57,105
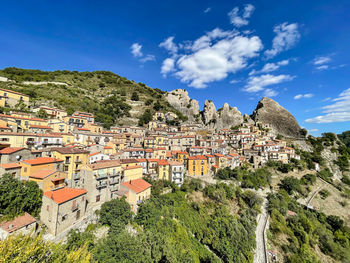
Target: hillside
107,95
345,138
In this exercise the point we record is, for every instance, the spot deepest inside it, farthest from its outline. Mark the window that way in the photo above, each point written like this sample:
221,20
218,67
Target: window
25,169
98,197
47,208
64,217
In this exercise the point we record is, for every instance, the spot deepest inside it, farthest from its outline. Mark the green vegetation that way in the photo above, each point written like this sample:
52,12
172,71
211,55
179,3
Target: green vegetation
35,249
250,178
345,138
103,93
17,197
306,230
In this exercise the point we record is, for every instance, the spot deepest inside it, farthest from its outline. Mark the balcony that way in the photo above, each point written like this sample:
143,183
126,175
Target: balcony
76,176
100,176
75,207
78,161
114,188
101,185
112,182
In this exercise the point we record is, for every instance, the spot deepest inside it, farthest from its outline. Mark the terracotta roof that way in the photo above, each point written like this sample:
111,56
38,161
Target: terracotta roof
132,167
42,174
42,160
108,147
10,150
141,160
162,162
64,194
219,155
105,164
15,92
17,223
10,165
137,186
66,150
83,129
174,163
92,154
149,150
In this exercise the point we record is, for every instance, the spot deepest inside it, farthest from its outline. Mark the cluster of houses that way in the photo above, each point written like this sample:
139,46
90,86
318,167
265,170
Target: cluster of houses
79,165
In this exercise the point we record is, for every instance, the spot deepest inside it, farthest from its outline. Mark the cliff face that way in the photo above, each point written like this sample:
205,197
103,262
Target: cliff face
224,118
282,122
228,117
180,100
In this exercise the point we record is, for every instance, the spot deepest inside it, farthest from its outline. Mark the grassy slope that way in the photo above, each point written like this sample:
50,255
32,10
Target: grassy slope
86,91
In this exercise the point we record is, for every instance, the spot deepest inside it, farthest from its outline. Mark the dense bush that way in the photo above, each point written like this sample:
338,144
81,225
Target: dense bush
17,197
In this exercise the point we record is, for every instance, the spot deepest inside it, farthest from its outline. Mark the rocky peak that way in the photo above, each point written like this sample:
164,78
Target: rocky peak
180,100
281,121
209,113
228,117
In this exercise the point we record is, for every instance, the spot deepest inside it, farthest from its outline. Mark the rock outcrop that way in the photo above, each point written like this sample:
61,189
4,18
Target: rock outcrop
180,100
228,117
209,114
281,121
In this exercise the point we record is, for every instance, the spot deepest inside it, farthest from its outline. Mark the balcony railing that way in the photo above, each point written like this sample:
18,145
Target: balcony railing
78,161
111,182
101,176
75,207
76,176
101,185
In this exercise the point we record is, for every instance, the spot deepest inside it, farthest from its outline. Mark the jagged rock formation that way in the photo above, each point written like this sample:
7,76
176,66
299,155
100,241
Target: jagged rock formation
180,100
281,121
209,114
248,119
228,117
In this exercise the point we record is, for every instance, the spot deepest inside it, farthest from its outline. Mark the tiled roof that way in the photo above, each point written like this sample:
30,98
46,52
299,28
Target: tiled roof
42,160
42,174
10,150
39,127
105,164
10,165
162,162
132,167
66,150
137,186
17,223
64,194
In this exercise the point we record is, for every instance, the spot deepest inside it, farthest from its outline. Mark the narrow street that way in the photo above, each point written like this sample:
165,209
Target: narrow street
260,255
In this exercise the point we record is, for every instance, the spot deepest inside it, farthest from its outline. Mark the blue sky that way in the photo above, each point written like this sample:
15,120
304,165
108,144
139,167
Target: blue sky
228,51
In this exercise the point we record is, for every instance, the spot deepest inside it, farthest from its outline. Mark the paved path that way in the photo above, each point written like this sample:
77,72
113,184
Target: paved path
260,255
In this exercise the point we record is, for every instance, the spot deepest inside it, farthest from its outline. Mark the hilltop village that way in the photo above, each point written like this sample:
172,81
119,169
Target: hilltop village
79,165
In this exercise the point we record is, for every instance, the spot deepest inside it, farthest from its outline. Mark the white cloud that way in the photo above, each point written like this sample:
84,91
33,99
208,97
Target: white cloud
167,66
207,10
257,83
169,45
147,58
305,96
338,111
214,61
312,130
241,20
269,67
270,93
287,35
136,50
322,67
321,60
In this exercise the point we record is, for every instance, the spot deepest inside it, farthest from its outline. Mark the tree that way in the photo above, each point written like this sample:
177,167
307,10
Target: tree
116,209
42,114
135,96
290,184
17,197
145,118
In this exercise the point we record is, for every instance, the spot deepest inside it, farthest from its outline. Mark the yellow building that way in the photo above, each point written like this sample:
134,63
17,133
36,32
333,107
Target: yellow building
49,179
159,153
94,128
73,159
197,165
136,191
11,98
132,172
163,170
24,123
12,139
60,126
220,160
33,166
158,116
